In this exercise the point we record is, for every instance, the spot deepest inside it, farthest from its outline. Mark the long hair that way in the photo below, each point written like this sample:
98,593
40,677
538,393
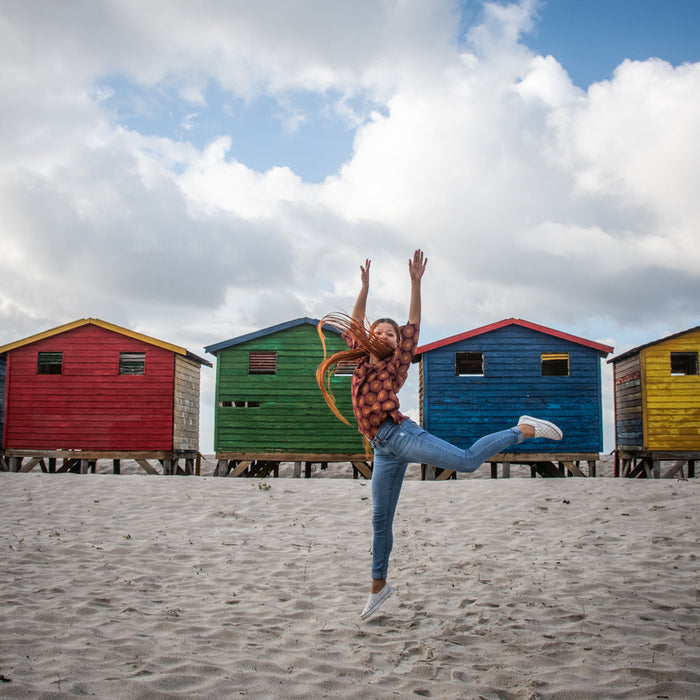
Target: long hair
366,343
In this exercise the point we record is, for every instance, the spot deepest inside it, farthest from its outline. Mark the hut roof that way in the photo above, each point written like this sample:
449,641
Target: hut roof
108,326
604,350
639,348
213,349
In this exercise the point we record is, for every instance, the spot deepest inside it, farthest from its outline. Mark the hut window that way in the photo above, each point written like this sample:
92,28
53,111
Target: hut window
262,362
555,364
469,363
239,404
132,363
345,368
49,363
683,363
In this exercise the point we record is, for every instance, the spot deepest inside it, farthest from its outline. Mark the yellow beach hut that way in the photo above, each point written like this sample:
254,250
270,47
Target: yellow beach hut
657,407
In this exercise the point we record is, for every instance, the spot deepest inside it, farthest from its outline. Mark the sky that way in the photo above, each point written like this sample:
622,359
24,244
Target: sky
199,171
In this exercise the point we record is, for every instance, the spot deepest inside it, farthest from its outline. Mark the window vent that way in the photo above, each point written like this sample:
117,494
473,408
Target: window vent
469,363
345,368
132,363
239,404
262,362
49,363
555,364
684,363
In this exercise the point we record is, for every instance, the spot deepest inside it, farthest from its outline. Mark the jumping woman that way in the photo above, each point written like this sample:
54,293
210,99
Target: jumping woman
383,353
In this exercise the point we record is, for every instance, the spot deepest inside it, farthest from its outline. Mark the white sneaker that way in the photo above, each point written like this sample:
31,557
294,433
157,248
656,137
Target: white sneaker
375,601
543,428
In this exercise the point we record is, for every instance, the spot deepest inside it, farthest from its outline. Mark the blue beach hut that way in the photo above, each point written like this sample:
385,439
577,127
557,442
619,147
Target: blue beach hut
482,380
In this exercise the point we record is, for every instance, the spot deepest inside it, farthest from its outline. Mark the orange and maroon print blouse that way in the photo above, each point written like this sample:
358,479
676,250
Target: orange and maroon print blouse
375,387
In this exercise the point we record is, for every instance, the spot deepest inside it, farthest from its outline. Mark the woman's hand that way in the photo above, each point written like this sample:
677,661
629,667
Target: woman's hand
358,313
416,267
364,272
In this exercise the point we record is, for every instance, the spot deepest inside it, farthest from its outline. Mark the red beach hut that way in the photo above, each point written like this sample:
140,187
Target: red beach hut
92,390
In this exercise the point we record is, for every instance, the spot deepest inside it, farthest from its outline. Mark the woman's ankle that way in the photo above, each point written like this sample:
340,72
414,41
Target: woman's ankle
377,585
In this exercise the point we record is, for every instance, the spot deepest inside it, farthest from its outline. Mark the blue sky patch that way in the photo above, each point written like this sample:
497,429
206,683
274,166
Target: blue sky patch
302,130
590,38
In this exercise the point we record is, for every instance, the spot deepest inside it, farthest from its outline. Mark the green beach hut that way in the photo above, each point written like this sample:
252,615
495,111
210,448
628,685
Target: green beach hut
269,409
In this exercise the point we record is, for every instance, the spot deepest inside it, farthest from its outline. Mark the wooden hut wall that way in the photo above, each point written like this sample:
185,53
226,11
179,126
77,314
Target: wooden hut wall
672,410
186,404
89,405
629,427
3,374
462,409
284,411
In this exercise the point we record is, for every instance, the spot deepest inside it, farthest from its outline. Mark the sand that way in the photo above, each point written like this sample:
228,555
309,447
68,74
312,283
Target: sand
135,586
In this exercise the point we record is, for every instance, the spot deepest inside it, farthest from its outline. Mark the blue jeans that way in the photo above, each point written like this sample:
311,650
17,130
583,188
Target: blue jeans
397,445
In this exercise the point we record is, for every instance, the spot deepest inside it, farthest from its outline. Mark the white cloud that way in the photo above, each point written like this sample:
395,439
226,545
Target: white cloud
547,83
212,182
634,136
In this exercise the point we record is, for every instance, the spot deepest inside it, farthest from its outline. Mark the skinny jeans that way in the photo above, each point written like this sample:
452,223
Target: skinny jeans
395,445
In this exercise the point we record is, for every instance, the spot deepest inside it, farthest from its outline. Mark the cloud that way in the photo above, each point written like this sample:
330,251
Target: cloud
633,137
212,182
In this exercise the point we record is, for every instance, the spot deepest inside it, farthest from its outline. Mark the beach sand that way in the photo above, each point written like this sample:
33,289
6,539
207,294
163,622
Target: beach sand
135,586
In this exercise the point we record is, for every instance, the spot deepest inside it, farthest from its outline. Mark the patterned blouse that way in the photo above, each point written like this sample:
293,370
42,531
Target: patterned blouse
375,386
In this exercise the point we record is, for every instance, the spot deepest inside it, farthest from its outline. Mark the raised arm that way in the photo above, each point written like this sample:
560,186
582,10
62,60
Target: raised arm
416,268
359,312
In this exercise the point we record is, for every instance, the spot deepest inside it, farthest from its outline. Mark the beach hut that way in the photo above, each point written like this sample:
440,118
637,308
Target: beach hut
657,407
482,380
91,390
3,374
269,409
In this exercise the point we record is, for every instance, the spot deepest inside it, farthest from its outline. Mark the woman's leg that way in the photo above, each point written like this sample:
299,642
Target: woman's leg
413,444
387,479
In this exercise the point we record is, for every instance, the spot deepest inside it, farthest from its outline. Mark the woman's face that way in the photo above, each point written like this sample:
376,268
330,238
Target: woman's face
386,332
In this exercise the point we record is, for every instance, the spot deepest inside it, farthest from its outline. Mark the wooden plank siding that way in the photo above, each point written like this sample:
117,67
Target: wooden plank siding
186,404
282,412
672,403
3,375
629,424
461,409
89,405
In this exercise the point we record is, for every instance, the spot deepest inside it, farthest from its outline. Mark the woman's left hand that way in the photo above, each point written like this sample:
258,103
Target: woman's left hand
416,266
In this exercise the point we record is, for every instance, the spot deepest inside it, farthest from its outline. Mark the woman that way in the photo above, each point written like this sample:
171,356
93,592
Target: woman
383,355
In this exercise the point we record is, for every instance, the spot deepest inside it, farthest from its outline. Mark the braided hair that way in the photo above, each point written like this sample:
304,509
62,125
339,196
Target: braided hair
365,343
